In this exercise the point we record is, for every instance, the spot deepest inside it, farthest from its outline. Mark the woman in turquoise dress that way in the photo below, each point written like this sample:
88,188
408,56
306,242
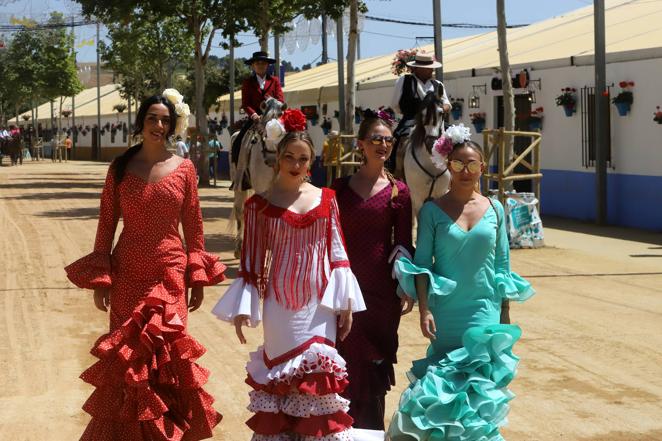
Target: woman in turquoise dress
461,278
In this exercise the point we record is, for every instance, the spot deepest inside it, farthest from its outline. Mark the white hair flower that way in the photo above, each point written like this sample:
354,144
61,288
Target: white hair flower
173,96
458,133
183,113
274,130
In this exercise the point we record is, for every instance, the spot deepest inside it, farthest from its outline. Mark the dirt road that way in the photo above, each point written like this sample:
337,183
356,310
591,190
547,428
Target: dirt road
591,352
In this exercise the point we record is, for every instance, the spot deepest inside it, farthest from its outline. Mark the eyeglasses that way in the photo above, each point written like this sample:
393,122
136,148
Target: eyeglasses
472,166
154,120
378,139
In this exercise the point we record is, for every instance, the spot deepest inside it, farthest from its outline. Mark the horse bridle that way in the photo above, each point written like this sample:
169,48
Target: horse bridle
257,131
430,175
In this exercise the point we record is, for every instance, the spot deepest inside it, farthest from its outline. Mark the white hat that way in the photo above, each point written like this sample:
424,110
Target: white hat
424,59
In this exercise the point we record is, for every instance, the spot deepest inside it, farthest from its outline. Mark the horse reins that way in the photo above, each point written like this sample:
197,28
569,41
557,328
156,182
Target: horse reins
430,175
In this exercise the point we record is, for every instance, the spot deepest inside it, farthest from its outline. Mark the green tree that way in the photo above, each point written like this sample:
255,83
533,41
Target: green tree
202,19
217,77
163,49
59,75
24,70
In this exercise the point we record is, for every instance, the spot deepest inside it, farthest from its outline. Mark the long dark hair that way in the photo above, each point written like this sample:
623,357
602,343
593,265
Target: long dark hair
120,163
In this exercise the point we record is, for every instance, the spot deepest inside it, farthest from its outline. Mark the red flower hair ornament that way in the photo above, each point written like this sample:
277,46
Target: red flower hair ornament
294,120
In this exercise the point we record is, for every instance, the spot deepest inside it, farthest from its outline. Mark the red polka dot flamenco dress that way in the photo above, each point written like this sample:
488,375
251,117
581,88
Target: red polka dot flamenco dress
148,386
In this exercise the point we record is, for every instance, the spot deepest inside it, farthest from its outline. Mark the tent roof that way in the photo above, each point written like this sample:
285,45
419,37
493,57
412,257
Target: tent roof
630,25
86,103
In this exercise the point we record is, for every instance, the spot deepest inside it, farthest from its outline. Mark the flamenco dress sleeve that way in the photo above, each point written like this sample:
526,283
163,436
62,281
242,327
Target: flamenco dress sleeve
509,285
203,268
242,296
94,270
402,240
406,270
342,291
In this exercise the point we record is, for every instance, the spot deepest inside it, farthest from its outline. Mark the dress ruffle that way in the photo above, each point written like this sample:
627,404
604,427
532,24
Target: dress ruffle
241,298
204,269
147,370
342,287
513,287
91,271
406,273
464,395
299,396
319,370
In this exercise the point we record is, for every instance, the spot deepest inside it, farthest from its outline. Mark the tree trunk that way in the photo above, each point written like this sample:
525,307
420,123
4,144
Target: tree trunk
200,111
264,26
350,85
508,97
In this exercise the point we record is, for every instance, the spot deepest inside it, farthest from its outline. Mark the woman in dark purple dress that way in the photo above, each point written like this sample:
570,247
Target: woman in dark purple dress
375,214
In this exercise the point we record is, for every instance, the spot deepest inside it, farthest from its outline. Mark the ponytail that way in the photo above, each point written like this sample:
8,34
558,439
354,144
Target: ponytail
394,185
120,163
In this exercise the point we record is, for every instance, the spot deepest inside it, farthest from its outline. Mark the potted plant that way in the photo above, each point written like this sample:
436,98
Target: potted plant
478,120
567,100
535,118
66,113
657,115
400,60
623,100
456,107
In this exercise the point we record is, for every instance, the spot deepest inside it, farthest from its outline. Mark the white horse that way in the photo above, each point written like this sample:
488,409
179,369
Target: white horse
424,179
257,157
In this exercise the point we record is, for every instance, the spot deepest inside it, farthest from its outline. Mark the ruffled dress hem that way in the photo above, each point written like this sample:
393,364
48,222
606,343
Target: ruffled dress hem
147,373
462,396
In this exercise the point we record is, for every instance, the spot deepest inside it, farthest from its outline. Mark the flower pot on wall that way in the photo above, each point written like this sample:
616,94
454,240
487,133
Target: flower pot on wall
479,126
535,124
569,110
623,108
456,113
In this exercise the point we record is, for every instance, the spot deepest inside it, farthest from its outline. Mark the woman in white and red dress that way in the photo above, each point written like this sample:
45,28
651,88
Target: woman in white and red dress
294,258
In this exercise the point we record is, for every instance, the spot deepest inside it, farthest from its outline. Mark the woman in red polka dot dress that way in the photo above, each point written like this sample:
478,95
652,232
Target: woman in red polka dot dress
148,386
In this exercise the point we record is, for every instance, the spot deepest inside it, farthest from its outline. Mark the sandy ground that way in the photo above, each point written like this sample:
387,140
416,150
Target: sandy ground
591,350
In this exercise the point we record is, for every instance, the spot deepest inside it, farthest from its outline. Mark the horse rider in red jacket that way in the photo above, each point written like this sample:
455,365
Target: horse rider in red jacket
255,89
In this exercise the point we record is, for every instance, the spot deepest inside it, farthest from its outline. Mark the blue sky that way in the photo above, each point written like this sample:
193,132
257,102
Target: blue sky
378,38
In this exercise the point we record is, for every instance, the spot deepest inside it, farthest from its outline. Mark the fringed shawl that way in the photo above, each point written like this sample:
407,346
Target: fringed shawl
290,254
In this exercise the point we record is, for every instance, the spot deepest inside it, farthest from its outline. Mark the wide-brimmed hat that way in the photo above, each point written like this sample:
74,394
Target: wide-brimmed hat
424,59
260,56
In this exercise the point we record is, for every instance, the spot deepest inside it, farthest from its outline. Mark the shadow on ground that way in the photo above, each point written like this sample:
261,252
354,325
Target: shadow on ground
84,213
622,233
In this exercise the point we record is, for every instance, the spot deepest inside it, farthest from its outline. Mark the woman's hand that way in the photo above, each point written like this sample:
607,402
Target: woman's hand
428,327
197,296
102,298
239,321
406,304
345,321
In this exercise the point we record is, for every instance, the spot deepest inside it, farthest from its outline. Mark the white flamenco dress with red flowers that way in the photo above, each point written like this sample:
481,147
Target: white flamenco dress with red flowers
298,265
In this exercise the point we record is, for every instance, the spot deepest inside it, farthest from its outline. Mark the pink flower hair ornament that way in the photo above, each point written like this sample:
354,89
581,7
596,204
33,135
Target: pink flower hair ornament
443,146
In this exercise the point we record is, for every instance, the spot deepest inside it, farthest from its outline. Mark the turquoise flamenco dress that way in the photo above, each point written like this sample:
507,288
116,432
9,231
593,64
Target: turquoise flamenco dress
459,390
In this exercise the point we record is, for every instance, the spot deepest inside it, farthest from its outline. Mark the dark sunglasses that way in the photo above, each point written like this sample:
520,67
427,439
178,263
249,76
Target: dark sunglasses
378,139
472,166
